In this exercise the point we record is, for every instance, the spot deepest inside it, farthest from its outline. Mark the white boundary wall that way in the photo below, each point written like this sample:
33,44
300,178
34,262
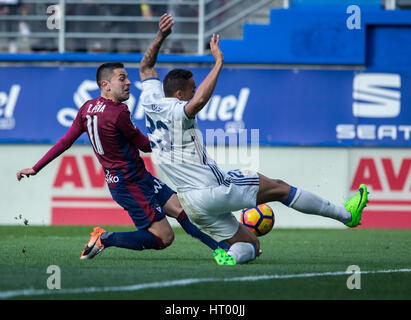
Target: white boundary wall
328,172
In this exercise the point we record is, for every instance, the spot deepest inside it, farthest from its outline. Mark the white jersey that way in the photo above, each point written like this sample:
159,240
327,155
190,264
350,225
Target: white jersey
176,141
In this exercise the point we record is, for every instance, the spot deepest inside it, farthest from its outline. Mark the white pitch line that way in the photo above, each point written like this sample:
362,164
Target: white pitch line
182,282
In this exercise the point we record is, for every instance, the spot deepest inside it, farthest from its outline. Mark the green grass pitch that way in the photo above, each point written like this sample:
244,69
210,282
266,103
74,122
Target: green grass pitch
296,264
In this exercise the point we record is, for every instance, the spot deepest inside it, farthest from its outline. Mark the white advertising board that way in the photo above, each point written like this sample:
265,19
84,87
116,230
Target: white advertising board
72,189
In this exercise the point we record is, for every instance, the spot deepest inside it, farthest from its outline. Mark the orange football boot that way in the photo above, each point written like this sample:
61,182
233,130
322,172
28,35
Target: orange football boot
94,246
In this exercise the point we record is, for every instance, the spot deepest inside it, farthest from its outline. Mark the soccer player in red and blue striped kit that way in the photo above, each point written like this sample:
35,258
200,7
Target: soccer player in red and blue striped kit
116,143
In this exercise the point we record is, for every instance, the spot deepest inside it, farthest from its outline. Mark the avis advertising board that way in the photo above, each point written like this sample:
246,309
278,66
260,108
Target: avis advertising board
72,189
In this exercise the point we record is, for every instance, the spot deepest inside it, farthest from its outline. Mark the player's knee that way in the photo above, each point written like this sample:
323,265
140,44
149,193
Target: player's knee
252,238
245,235
167,238
164,233
256,243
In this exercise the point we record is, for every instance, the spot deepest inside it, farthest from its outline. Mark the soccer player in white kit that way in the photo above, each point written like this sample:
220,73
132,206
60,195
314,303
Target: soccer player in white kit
207,193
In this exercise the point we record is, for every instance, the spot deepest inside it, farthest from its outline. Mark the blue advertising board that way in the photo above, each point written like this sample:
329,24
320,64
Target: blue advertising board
293,107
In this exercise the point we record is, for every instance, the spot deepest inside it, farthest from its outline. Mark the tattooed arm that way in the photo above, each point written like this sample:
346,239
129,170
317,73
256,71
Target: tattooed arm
150,57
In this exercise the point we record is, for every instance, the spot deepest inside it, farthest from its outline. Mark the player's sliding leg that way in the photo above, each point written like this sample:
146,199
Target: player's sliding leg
174,209
306,202
211,209
193,231
245,246
136,240
158,236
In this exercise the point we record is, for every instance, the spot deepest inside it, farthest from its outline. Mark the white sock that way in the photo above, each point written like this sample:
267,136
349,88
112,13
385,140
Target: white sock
307,202
242,252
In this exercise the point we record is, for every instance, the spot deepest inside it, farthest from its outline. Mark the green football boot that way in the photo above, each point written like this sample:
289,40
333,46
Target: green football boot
222,258
356,205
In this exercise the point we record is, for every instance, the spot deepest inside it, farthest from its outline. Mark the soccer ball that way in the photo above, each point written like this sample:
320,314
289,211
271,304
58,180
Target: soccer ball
259,220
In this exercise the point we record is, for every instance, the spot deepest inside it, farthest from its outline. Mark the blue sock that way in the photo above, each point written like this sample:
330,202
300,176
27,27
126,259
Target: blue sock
193,231
135,240
290,196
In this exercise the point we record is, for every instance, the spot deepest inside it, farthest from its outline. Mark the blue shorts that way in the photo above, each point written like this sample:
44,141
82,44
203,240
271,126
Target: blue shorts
142,198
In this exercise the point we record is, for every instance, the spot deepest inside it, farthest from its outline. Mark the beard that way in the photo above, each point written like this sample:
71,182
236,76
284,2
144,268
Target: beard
124,97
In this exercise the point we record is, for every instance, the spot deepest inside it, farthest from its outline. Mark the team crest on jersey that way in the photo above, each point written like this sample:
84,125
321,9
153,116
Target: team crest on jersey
155,107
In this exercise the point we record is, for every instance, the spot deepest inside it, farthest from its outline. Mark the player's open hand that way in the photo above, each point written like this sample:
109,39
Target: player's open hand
215,48
165,24
25,172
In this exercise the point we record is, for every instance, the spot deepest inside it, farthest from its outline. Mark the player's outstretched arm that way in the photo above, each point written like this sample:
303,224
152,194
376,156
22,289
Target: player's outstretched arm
62,145
25,172
206,88
150,57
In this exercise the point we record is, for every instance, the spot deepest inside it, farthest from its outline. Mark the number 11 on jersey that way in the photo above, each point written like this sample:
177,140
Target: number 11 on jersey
92,127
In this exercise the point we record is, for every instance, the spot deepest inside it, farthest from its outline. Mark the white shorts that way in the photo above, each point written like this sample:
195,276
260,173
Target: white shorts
211,209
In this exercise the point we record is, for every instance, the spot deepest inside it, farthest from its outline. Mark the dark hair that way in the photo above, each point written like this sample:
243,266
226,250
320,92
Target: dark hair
105,71
175,80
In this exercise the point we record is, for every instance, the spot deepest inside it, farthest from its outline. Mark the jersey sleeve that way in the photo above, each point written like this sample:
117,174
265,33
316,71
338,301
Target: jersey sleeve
179,111
152,92
131,133
65,142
